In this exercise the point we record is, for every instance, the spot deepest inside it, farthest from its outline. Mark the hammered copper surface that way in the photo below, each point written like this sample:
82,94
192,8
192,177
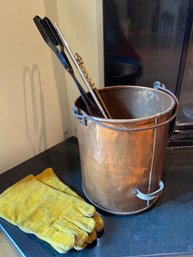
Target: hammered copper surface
113,162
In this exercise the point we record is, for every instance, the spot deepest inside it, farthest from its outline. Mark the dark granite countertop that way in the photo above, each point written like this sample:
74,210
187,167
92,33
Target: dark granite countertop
164,230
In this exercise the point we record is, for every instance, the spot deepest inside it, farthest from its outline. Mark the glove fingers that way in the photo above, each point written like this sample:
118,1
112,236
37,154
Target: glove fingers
85,208
81,236
66,226
84,223
60,240
80,247
92,237
99,223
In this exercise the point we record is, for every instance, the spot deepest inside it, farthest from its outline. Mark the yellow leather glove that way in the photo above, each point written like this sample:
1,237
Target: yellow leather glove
57,218
49,178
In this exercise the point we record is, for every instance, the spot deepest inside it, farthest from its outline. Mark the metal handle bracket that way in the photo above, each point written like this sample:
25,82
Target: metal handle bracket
147,197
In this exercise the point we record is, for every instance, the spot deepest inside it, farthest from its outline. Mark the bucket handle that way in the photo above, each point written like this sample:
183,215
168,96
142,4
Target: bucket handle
148,197
82,116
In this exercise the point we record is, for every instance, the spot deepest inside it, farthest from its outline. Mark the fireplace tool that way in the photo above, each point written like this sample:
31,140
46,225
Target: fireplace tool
53,37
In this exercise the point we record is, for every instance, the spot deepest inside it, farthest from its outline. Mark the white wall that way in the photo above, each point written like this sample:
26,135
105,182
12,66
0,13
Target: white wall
34,110
36,94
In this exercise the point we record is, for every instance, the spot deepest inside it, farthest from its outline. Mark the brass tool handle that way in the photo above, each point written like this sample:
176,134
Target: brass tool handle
91,83
84,70
147,197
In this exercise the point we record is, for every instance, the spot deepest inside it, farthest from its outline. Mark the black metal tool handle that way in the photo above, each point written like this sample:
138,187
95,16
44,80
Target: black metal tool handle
91,106
56,40
52,39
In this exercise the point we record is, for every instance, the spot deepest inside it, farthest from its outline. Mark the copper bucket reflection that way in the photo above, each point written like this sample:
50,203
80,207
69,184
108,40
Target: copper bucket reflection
122,158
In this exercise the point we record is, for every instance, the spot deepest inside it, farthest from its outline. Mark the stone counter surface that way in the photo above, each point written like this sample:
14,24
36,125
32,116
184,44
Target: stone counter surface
164,230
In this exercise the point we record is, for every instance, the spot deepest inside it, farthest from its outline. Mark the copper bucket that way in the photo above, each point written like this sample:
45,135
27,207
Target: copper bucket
122,158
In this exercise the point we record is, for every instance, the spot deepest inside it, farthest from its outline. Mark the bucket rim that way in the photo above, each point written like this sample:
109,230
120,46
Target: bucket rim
133,120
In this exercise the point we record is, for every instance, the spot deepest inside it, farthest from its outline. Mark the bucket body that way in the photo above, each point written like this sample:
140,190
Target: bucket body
116,164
